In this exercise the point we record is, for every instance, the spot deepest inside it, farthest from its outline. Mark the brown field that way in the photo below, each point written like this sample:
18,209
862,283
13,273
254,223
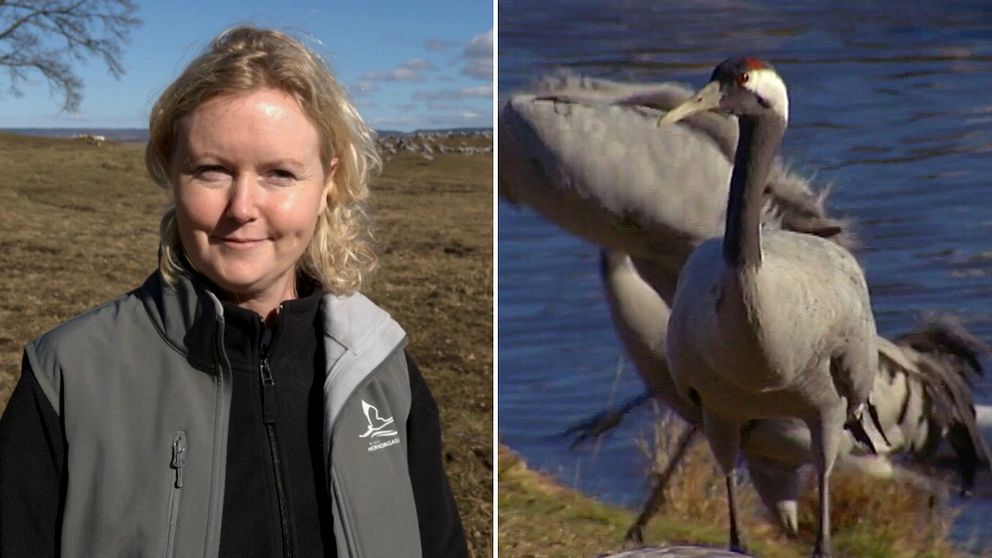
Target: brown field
78,226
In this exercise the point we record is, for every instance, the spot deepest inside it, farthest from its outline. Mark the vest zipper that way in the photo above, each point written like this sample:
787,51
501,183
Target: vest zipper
269,413
178,463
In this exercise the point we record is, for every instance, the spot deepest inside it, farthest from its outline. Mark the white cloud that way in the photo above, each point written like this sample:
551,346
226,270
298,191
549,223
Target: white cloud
411,70
398,122
418,65
464,119
434,120
437,45
477,56
399,74
482,91
363,89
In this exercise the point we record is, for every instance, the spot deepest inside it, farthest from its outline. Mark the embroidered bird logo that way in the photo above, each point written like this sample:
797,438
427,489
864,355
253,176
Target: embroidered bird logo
377,424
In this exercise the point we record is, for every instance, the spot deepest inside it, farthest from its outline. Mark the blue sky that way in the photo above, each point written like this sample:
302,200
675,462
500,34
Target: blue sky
409,65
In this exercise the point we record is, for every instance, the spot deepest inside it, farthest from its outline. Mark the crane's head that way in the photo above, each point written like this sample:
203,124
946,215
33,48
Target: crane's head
740,86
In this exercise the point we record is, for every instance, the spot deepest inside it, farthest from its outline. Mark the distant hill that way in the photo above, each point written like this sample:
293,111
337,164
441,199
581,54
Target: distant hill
126,135
427,143
453,131
140,135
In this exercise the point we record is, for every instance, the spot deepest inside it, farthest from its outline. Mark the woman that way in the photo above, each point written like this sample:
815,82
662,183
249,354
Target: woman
246,400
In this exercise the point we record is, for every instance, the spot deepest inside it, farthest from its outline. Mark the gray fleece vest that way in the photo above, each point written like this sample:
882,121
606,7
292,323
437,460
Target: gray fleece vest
143,388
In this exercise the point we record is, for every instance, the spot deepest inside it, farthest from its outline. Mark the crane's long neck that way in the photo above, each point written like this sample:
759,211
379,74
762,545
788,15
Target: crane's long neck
757,143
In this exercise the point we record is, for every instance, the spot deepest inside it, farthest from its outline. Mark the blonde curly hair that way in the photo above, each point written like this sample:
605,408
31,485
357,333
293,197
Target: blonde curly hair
245,58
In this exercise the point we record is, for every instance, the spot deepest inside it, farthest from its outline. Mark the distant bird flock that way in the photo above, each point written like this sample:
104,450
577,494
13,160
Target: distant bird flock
428,144
735,295
91,139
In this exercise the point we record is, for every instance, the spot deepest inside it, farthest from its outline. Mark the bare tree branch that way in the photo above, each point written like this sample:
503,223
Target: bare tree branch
46,36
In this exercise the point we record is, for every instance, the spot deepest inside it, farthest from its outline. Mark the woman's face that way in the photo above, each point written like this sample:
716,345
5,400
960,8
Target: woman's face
249,186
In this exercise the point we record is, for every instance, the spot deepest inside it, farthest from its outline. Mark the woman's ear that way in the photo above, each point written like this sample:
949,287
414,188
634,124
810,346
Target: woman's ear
328,183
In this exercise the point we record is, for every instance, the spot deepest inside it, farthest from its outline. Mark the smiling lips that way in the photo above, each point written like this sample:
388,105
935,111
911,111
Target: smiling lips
238,243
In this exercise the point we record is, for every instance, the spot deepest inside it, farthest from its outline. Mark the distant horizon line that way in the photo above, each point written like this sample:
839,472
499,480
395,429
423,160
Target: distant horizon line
145,129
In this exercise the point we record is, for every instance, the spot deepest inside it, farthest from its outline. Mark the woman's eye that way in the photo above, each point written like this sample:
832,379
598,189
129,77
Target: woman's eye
210,172
281,176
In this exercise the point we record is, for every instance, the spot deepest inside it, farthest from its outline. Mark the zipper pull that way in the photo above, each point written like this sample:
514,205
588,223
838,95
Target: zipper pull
268,392
179,456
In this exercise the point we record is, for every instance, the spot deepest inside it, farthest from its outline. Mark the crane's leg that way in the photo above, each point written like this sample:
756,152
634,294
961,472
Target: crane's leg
657,498
737,543
826,433
725,440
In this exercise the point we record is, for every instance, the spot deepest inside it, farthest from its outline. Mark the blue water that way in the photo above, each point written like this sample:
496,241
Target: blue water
890,103
135,135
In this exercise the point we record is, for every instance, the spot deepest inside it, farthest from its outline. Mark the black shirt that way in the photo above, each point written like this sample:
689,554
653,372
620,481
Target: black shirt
276,464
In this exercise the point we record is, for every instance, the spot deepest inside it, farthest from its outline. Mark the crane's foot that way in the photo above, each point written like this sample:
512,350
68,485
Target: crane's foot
740,548
635,535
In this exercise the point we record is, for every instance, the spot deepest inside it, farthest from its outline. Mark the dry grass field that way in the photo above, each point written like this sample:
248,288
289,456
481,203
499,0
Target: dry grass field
78,226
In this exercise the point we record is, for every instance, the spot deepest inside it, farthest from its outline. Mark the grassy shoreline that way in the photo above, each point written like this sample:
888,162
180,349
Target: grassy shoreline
79,226
539,517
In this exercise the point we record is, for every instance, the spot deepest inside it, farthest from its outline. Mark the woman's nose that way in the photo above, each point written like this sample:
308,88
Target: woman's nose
242,206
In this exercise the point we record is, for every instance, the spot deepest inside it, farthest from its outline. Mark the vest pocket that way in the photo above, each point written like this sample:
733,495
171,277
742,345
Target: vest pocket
178,463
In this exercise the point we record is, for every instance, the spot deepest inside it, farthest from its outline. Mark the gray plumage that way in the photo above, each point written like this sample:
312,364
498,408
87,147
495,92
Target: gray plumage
945,356
772,323
586,155
922,393
923,399
654,193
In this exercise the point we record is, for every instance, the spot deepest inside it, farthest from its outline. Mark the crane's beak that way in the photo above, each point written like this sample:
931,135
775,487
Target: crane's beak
708,98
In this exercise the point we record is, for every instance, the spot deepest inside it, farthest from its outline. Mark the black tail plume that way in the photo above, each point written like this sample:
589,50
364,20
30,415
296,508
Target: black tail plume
604,421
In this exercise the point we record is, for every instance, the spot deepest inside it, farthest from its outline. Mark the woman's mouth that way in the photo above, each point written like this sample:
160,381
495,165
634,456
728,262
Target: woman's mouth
240,243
